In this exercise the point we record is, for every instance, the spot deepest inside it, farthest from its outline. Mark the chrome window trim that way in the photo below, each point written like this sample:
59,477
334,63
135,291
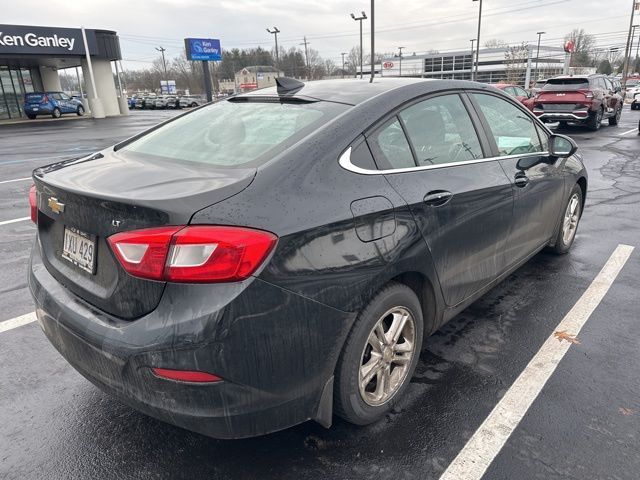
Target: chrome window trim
345,162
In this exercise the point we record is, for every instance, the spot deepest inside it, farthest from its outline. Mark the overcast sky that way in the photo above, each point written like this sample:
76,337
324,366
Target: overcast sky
418,25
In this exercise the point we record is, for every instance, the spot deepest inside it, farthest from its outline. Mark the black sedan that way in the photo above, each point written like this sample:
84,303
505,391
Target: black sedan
279,256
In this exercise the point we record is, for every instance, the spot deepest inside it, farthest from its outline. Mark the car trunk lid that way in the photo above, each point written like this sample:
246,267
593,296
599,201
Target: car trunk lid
108,193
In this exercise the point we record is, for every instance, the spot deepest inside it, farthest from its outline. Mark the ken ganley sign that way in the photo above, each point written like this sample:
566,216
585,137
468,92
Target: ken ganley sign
203,49
21,39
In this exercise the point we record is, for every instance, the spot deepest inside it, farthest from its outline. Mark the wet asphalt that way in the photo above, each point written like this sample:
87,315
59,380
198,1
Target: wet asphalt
584,424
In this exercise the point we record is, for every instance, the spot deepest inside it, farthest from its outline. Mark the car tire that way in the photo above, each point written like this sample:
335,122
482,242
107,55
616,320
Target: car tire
56,113
80,110
387,362
193,105
595,119
31,117
613,121
562,125
569,223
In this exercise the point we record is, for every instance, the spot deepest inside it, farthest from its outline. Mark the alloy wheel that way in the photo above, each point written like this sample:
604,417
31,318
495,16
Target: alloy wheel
571,218
386,357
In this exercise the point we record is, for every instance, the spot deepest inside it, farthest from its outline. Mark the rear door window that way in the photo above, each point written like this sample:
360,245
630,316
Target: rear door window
513,130
440,131
391,147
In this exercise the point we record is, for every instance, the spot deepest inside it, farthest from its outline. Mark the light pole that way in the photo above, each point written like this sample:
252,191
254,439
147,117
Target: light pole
400,56
373,43
473,40
343,54
627,50
538,54
275,33
478,39
360,19
164,66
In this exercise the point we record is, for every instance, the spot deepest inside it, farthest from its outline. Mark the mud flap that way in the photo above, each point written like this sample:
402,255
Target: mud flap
324,415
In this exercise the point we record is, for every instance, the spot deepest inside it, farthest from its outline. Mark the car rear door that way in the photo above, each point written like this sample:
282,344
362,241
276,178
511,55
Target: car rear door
436,159
522,146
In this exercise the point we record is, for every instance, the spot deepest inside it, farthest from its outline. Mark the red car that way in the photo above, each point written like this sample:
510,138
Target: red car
582,99
518,92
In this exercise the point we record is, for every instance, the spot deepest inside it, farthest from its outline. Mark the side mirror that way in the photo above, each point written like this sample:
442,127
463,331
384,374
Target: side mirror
562,146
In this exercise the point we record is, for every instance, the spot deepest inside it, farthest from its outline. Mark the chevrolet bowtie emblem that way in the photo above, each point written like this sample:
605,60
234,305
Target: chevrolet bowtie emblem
55,205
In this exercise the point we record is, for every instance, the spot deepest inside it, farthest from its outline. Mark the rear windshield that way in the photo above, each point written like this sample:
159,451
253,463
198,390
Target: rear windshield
33,97
566,84
229,134
632,83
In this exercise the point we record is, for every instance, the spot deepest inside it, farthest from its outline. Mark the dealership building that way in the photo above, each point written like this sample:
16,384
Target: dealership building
495,65
31,56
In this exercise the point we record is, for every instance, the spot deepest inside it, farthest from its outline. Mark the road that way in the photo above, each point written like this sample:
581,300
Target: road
583,423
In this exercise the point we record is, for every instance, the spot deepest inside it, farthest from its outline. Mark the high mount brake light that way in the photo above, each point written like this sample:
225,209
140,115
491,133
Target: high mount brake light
192,254
33,203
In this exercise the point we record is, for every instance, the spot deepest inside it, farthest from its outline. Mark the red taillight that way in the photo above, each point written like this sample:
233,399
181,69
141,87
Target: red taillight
194,254
33,203
186,375
45,99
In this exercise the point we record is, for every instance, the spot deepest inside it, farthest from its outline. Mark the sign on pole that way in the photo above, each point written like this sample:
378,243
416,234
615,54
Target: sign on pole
207,49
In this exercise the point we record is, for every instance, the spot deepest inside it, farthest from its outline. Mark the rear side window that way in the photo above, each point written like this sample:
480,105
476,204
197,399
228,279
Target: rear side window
557,84
441,131
390,146
513,130
229,134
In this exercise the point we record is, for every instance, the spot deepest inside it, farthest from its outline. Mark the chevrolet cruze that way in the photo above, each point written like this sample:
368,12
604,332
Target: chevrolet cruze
280,256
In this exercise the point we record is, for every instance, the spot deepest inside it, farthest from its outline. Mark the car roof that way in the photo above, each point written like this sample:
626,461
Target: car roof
351,90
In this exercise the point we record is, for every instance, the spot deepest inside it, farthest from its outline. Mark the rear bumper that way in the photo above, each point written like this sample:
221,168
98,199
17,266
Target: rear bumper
275,351
578,116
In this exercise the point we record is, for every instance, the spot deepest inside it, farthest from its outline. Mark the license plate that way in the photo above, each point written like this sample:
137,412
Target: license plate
34,108
79,248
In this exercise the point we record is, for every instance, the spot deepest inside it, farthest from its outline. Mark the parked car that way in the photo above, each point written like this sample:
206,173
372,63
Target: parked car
192,101
279,256
51,103
146,101
632,88
635,103
582,99
517,92
166,101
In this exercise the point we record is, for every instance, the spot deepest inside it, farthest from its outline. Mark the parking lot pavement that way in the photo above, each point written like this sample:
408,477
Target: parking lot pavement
582,424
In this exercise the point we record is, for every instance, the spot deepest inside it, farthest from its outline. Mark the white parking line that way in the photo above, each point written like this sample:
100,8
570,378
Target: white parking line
485,444
16,180
17,322
627,133
7,222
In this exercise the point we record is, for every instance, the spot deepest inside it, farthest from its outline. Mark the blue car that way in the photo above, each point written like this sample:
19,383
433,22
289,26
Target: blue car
51,103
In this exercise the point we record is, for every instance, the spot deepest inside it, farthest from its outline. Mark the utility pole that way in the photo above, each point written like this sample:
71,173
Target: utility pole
360,19
164,67
306,55
400,55
275,33
478,39
633,37
627,50
538,54
373,43
473,40
343,54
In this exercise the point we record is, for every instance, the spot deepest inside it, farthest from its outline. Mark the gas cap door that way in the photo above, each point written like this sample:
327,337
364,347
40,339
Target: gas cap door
374,218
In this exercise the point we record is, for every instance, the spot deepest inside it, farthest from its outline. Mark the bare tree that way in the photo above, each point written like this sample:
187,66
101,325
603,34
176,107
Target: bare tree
516,63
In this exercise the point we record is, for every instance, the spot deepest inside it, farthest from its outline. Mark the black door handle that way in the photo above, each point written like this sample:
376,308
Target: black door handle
436,198
521,180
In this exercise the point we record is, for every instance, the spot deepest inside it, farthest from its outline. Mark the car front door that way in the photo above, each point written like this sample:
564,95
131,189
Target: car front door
538,184
436,159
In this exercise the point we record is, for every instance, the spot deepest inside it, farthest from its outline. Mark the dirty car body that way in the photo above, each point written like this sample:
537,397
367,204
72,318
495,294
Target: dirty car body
346,204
